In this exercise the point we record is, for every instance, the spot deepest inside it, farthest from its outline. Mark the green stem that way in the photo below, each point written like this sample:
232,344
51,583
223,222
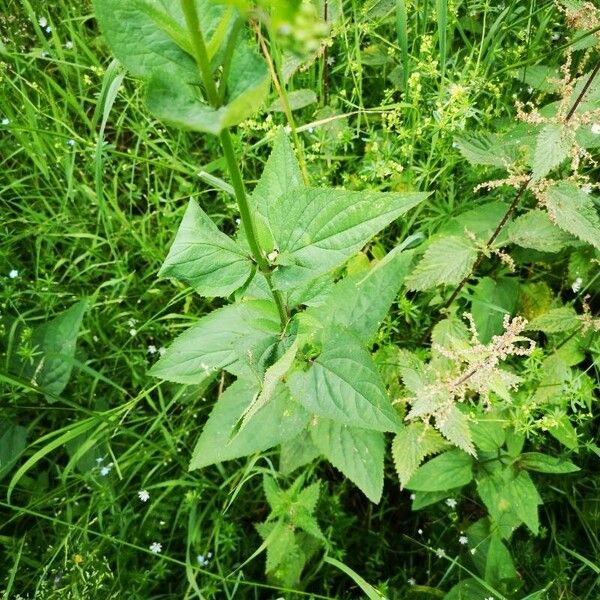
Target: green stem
201,56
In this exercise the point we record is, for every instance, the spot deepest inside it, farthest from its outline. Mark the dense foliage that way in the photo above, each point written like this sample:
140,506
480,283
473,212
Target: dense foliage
300,299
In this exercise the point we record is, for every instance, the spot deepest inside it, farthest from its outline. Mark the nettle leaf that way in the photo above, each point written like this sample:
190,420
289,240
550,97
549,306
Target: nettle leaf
316,230
281,419
343,384
227,338
488,432
453,424
447,261
535,230
552,148
56,342
573,210
357,453
297,452
360,302
556,320
536,461
480,221
483,148
411,446
280,175
453,469
179,102
204,257
491,300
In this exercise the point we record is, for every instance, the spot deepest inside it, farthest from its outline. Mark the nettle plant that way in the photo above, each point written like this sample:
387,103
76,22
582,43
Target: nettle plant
298,335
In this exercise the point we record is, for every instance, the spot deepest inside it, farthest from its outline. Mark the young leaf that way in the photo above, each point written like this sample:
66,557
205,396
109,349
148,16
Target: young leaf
204,257
343,384
318,229
453,469
535,230
361,301
276,422
556,320
445,262
220,340
573,210
535,461
357,453
280,175
486,149
551,149
411,446
453,424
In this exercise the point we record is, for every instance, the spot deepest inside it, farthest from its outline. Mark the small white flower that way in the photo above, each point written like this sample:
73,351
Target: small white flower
13,274
463,539
68,44
104,471
420,531
162,351
311,130
473,550
48,29
131,322
451,502
440,553
555,36
43,21
132,332
412,581
576,286
99,459
413,496
70,142
586,188
530,90
330,60
152,349
204,560
156,547
143,495
596,128
5,121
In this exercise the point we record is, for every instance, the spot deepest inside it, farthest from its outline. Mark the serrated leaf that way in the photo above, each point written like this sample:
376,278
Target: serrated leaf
535,230
411,446
480,221
222,339
297,452
361,301
281,175
453,424
573,210
483,148
204,257
551,149
488,433
357,453
276,422
536,461
56,342
343,384
272,493
540,77
447,261
453,469
318,229
491,300
556,320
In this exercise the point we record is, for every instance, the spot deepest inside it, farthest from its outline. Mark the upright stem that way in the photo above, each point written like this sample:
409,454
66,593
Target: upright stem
203,62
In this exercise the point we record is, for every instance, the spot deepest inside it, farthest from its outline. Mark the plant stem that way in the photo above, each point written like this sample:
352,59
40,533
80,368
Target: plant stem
203,62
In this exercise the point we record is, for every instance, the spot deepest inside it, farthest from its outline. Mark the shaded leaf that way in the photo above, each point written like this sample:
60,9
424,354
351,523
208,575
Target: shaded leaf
452,469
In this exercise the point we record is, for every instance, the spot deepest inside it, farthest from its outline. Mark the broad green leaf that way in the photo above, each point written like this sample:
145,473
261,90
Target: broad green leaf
276,422
573,210
526,500
13,440
540,77
452,469
282,545
492,299
318,229
552,148
411,446
453,424
56,342
499,564
361,301
535,230
486,149
280,175
204,257
468,589
343,384
536,461
357,453
564,432
423,499
224,339
488,433
178,102
480,221
297,99
556,320
297,452
447,261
